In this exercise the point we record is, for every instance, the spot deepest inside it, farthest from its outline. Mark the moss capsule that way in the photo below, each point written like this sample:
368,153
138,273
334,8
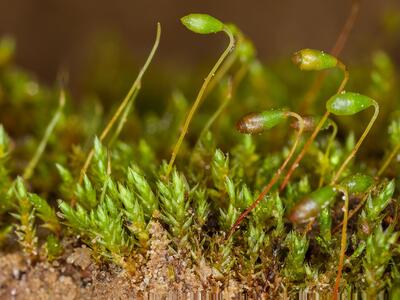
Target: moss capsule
254,123
310,122
357,184
202,23
309,207
348,103
314,60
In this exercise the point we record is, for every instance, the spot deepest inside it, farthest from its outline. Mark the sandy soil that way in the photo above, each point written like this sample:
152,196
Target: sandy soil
76,275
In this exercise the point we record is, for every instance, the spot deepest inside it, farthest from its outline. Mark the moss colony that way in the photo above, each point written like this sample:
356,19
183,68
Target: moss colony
301,195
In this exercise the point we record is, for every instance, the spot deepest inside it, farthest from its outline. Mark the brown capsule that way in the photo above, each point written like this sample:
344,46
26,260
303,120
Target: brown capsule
309,124
304,211
251,123
310,206
254,123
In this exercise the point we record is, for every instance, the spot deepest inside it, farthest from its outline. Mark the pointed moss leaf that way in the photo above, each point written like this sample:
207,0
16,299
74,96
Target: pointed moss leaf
310,59
375,205
202,23
202,207
77,218
137,181
294,262
25,229
227,218
175,206
99,166
378,253
219,168
325,224
86,194
65,174
20,189
45,212
348,103
244,197
255,239
230,189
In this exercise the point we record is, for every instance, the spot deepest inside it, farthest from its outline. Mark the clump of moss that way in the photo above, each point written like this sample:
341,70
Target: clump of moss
108,192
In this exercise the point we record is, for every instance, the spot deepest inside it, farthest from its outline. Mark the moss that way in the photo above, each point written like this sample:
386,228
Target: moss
108,192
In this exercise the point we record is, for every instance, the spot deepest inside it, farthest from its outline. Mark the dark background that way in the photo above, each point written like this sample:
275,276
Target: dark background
52,34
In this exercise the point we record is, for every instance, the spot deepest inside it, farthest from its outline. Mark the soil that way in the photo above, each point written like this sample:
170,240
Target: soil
76,275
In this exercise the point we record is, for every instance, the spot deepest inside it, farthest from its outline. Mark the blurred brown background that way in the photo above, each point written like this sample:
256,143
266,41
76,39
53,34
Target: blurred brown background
52,34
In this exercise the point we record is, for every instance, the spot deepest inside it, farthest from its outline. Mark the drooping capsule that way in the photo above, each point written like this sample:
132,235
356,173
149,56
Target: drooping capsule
202,23
310,122
309,207
254,123
358,183
314,60
348,103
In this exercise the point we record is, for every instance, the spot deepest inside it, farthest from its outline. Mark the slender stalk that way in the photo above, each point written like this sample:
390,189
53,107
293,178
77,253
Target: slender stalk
315,132
352,213
364,198
221,72
50,128
276,176
327,151
346,76
357,146
225,66
295,164
198,101
342,244
128,98
232,89
388,160
123,119
106,182
336,50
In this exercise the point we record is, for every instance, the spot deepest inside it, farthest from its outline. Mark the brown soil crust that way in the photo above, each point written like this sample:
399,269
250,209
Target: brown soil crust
76,275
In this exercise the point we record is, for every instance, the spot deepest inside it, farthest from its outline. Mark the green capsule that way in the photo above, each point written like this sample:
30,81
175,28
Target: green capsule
314,60
254,123
357,184
348,103
202,23
309,207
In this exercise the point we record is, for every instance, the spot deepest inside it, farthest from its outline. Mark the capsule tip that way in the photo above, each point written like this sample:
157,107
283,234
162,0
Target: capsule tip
241,126
297,58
